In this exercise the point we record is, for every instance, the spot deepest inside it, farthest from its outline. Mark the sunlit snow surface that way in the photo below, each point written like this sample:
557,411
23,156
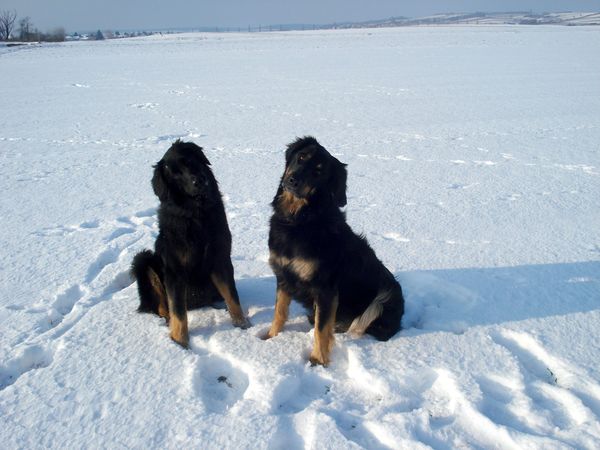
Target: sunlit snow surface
474,162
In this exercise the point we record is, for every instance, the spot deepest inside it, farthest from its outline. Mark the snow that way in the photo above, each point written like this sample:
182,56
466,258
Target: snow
473,163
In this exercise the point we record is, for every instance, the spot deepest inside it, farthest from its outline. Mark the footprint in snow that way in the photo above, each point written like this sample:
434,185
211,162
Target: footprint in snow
63,230
27,358
118,233
555,381
107,275
218,383
297,392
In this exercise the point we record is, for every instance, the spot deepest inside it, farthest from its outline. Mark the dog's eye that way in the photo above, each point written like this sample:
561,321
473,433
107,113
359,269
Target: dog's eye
302,157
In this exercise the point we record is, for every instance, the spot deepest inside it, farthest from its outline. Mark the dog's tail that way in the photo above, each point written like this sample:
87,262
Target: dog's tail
146,268
372,313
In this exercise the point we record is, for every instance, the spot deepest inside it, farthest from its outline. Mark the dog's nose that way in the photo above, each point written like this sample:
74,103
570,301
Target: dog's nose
292,182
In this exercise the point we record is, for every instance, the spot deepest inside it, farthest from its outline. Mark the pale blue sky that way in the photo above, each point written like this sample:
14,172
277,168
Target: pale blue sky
78,15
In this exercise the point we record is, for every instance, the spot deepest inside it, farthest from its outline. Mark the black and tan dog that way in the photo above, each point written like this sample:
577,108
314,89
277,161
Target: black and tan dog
319,261
191,265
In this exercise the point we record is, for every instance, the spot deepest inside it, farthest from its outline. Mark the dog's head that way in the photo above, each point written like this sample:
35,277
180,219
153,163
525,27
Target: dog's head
312,173
183,173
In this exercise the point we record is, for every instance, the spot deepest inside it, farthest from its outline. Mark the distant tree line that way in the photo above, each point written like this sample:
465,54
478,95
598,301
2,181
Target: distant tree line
26,32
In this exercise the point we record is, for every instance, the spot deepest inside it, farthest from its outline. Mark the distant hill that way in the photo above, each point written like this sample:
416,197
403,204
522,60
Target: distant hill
480,18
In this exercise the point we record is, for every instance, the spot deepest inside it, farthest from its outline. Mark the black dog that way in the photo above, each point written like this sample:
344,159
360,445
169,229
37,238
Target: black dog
319,261
191,265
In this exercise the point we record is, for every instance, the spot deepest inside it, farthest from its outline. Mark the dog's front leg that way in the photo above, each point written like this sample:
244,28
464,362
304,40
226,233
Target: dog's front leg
282,305
225,284
325,310
177,299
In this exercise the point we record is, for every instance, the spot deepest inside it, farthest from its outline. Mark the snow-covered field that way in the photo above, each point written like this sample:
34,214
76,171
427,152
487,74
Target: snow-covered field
474,161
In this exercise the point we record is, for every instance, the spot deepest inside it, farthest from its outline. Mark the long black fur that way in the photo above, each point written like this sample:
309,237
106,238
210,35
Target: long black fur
194,242
346,265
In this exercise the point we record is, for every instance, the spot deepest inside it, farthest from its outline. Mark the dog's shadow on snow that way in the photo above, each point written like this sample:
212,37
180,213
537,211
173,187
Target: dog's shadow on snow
455,300
458,299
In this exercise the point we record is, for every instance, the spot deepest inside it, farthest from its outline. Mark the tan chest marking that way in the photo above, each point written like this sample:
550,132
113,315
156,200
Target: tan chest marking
304,269
290,203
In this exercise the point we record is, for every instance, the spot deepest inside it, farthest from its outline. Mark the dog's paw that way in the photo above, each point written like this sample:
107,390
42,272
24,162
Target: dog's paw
316,361
242,322
265,336
182,341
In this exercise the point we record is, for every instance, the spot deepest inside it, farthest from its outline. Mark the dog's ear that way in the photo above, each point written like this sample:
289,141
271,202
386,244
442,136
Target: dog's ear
291,150
339,175
199,153
203,157
298,144
159,182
